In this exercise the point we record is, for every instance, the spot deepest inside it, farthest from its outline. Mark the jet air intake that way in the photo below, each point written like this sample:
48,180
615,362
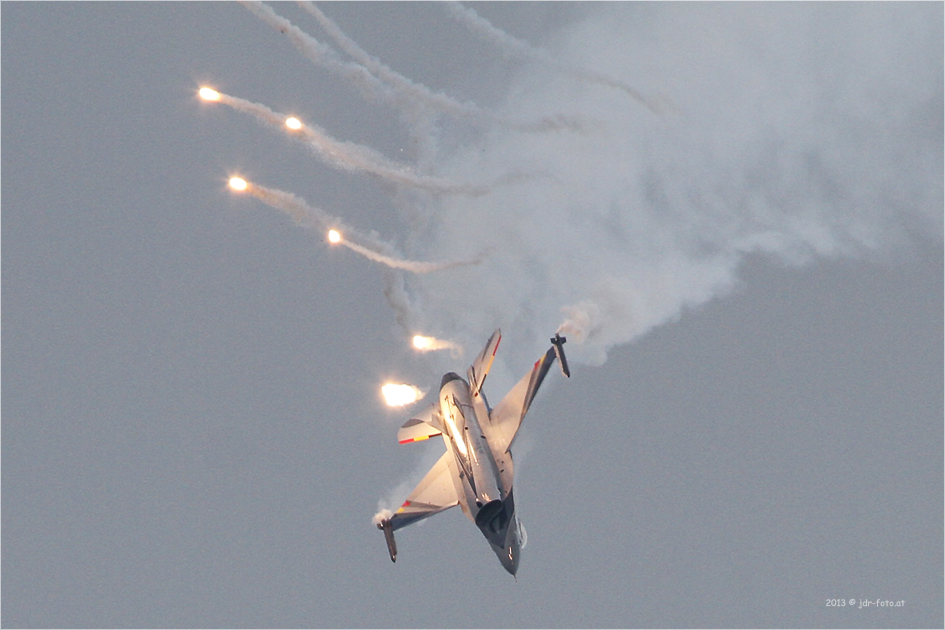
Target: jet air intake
489,512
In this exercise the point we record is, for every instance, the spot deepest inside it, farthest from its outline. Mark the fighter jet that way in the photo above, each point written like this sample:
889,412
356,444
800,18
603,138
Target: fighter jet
476,471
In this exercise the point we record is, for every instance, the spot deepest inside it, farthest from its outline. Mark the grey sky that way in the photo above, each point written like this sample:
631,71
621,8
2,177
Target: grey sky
192,430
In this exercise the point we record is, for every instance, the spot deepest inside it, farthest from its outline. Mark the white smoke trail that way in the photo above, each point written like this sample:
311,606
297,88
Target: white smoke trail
412,266
350,156
382,514
303,214
378,251
496,36
518,48
414,93
809,131
392,501
390,84
806,130
320,54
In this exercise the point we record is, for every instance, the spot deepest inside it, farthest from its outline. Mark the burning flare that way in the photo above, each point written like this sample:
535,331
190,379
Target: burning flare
423,343
209,94
428,344
367,245
347,156
400,394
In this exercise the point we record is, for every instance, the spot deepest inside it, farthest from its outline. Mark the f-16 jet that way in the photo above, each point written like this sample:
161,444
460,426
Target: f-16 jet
476,471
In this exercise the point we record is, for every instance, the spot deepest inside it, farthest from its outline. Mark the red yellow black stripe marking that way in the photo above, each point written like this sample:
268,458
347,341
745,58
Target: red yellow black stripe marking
419,439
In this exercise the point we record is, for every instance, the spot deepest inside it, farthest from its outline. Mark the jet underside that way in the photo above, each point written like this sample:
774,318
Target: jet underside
476,471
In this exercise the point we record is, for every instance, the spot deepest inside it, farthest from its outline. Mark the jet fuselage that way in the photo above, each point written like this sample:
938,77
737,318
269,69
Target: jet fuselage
487,502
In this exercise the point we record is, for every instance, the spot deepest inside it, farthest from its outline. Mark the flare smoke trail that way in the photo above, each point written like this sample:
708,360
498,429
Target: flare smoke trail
802,136
412,266
382,82
483,28
318,53
360,73
802,131
372,249
518,48
390,503
350,156
412,92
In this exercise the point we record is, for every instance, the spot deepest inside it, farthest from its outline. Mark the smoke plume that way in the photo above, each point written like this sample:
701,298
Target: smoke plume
797,132
368,246
801,131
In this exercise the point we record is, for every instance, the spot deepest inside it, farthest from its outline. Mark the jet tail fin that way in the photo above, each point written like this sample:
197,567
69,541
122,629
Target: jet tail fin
480,367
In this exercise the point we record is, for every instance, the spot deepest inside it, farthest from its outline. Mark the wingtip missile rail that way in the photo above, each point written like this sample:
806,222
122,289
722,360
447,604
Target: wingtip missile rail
386,527
558,342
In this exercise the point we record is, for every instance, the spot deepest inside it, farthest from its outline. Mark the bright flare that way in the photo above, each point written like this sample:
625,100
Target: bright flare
428,344
423,343
209,94
238,183
334,236
293,123
400,394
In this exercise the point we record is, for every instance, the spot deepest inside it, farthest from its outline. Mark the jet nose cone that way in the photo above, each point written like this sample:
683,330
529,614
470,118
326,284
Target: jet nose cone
509,552
510,560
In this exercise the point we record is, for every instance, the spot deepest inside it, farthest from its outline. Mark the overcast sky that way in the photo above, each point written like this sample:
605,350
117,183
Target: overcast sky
744,247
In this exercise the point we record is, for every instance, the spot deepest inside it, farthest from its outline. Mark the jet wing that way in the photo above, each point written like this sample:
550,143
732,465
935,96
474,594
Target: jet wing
480,367
423,427
435,493
507,416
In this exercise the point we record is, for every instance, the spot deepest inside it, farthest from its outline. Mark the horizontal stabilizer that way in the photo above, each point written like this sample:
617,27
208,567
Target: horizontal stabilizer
423,427
435,493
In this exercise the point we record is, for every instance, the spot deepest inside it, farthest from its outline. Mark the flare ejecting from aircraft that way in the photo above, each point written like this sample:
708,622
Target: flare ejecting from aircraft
476,470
